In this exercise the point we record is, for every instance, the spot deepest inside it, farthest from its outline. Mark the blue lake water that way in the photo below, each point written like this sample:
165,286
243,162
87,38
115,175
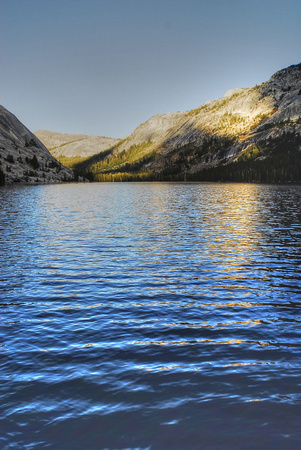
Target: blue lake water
152,315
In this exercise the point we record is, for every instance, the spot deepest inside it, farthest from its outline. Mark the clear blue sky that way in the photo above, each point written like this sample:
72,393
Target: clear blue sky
104,66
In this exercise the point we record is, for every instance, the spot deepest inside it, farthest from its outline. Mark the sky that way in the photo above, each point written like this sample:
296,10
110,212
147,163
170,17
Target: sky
103,67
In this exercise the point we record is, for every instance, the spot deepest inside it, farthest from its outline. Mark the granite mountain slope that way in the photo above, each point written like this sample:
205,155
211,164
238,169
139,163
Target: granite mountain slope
23,158
74,145
250,134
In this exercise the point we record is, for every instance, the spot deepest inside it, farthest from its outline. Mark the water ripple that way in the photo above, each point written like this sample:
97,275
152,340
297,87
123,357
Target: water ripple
150,316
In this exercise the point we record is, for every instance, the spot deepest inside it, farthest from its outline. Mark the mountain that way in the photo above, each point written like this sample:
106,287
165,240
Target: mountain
68,148
23,158
250,134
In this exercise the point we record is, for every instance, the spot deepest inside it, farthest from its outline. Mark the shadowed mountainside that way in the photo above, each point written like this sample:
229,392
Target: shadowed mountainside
23,158
250,134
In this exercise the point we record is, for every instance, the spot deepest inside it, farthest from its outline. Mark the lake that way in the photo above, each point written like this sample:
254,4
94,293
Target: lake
150,315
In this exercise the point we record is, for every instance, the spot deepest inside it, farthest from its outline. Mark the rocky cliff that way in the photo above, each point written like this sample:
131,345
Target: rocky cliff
23,158
250,134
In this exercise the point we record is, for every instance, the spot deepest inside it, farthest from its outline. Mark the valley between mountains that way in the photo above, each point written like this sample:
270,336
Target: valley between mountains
248,135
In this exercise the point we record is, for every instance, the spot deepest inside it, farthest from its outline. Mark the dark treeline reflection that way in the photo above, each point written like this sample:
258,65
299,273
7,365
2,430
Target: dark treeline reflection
152,315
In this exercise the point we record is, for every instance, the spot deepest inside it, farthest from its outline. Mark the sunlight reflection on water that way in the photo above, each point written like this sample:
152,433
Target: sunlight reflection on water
149,315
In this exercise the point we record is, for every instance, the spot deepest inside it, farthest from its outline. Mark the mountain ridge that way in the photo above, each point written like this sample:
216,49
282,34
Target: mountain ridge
192,145
74,145
249,134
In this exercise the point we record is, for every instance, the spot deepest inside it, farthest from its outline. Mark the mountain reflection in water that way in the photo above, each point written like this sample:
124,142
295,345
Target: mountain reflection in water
152,315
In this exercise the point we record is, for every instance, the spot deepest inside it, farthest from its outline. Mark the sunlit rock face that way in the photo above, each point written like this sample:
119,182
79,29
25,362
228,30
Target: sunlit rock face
23,158
245,123
221,130
285,88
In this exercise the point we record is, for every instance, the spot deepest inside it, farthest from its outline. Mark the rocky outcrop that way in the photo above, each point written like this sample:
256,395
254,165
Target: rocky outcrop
23,158
74,145
245,124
